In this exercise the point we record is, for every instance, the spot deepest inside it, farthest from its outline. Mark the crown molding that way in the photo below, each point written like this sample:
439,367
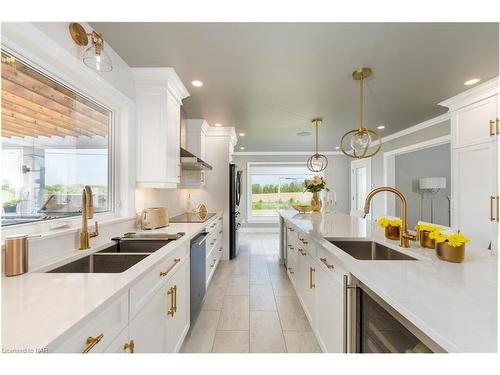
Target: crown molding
160,78
473,95
223,131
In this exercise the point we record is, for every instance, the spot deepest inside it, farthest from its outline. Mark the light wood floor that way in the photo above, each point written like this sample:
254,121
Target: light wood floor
251,306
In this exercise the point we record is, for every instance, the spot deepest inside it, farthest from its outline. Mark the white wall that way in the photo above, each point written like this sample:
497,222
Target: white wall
336,175
121,75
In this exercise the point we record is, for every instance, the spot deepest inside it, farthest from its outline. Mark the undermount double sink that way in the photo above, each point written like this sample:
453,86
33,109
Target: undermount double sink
369,250
127,251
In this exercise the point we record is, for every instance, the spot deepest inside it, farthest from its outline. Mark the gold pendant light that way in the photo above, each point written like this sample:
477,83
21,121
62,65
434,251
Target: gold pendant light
317,162
356,143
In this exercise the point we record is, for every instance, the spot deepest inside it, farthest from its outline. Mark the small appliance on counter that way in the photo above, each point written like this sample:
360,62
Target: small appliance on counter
16,254
154,218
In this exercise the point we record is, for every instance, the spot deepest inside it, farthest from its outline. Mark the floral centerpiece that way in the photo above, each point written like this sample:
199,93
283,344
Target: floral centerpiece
423,234
314,186
391,226
450,246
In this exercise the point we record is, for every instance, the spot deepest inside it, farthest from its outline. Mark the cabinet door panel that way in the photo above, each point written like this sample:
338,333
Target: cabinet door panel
474,181
178,323
329,312
173,143
149,327
471,125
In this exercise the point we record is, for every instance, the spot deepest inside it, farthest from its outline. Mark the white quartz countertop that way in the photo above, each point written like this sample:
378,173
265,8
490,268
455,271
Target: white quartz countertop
40,309
453,304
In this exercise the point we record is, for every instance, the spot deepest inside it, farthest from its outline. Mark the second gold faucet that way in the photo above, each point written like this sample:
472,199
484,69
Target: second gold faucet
404,235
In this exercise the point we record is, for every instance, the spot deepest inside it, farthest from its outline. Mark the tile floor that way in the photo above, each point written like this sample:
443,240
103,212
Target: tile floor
251,306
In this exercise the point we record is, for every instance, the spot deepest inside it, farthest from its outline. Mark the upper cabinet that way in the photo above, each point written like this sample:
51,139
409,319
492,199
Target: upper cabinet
475,129
159,95
195,142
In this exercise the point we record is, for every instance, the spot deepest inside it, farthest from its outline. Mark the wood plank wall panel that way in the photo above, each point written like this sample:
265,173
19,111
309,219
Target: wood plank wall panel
33,105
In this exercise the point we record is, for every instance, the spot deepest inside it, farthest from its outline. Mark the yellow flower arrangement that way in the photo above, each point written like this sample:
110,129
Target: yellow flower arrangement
427,227
454,239
384,221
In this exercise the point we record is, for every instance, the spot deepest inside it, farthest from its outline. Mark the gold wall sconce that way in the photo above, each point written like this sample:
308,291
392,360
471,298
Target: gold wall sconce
356,143
94,56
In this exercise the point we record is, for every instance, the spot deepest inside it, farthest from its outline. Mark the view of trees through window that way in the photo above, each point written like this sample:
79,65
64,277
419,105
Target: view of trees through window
274,192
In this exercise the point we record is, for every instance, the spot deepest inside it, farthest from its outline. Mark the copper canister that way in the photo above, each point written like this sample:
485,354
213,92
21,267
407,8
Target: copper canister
425,240
16,254
392,232
449,253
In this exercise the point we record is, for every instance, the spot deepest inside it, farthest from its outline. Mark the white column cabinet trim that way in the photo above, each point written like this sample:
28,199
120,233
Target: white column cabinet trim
159,95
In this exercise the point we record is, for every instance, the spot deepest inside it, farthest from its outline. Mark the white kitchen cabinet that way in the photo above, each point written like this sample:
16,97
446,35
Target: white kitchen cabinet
121,344
475,130
149,327
178,315
196,139
329,307
159,94
475,205
305,285
161,325
292,252
100,331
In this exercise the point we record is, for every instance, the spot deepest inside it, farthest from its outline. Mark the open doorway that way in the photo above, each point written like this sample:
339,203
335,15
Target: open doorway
422,173
361,184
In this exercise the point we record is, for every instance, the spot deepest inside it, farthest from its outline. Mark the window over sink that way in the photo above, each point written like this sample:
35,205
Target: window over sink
55,141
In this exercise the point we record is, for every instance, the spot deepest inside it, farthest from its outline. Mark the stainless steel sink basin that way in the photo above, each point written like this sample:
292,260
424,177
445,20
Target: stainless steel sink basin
369,250
102,263
126,251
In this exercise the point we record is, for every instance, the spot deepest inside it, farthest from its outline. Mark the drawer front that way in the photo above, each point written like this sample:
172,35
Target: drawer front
144,289
119,344
100,332
305,245
326,261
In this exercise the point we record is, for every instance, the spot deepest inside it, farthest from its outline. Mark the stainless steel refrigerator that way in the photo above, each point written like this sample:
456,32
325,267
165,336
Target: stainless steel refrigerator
234,202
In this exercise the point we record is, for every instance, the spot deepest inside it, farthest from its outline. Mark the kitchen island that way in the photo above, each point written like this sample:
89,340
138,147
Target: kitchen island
454,305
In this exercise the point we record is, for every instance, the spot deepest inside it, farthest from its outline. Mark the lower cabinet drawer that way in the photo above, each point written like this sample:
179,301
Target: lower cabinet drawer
327,262
145,288
99,332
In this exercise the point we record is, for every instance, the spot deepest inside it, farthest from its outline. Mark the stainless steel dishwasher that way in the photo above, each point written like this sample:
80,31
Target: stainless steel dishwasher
197,275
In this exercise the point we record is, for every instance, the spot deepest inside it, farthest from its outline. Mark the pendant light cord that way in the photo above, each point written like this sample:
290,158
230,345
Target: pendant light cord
316,137
361,102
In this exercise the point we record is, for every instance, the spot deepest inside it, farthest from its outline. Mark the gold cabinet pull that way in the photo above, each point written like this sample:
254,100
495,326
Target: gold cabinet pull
302,252
325,262
91,342
171,293
175,298
163,274
311,282
492,217
130,346
492,123
498,126
291,270
498,208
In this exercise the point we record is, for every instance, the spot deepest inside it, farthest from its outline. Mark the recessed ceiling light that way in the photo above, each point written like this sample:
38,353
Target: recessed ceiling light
472,81
217,124
304,134
242,148
380,127
242,134
337,148
197,83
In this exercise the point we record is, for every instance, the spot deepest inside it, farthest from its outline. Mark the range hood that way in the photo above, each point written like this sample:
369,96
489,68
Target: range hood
190,161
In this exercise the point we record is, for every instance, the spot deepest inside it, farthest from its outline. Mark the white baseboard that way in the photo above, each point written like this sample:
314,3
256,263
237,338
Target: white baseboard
259,229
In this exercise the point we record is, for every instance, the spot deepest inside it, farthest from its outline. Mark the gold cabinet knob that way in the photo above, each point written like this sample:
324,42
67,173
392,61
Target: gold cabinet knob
130,346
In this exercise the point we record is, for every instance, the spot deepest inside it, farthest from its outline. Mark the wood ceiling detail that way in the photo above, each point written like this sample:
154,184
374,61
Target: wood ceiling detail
35,106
